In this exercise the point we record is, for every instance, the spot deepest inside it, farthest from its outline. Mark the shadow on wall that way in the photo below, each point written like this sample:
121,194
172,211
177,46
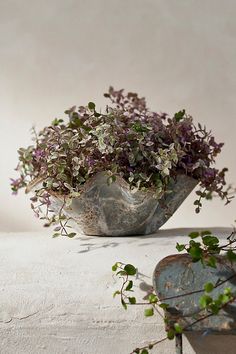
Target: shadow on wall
212,344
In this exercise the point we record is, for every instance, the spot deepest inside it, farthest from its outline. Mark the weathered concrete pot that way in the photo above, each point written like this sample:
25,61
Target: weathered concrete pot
114,210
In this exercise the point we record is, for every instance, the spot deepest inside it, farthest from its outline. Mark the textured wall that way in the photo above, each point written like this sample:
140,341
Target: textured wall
57,53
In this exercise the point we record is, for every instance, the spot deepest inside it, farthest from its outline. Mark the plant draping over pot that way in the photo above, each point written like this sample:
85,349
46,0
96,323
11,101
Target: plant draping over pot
119,172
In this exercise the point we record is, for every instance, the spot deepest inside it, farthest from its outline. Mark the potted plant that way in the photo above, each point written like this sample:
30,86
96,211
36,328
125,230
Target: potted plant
123,171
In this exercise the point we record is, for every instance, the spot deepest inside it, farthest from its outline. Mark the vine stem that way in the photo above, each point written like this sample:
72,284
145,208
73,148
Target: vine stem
210,314
182,295
153,344
198,291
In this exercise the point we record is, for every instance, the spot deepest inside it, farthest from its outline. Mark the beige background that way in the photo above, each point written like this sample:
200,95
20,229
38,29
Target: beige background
54,54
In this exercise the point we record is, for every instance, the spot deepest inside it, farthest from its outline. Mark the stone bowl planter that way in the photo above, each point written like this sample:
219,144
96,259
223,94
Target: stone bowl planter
113,209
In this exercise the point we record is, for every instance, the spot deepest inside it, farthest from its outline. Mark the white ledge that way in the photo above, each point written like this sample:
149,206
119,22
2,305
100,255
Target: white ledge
56,294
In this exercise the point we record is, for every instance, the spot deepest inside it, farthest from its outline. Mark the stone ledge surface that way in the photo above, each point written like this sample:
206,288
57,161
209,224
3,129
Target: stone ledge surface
56,294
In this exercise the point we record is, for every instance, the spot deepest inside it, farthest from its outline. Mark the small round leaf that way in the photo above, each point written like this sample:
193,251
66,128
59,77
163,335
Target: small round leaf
130,269
91,106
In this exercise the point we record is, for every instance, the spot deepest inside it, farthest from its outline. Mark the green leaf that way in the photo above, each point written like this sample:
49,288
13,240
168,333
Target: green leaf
149,312
72,234
224,298
195,252
139,128
144,351
129,286
205,300
214,308
130,269
164,306
217,302
116,293
132,300
152,298
114,267
231,255
210,240
91,106
228,291
56,234
179,115
208,287
124,304
178,328
57,121
166,320
209,196
171,334
211,262
180,247
193,234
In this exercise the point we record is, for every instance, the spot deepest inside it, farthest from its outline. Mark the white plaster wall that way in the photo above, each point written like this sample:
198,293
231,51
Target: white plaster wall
57,53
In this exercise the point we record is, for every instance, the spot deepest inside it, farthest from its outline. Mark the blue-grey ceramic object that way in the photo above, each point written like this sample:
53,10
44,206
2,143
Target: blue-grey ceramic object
113,209
176,275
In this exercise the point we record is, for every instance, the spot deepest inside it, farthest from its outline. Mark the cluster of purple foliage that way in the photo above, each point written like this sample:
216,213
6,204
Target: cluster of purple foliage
146,148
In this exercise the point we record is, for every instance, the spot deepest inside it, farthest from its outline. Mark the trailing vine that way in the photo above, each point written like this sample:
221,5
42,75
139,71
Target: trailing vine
202,247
